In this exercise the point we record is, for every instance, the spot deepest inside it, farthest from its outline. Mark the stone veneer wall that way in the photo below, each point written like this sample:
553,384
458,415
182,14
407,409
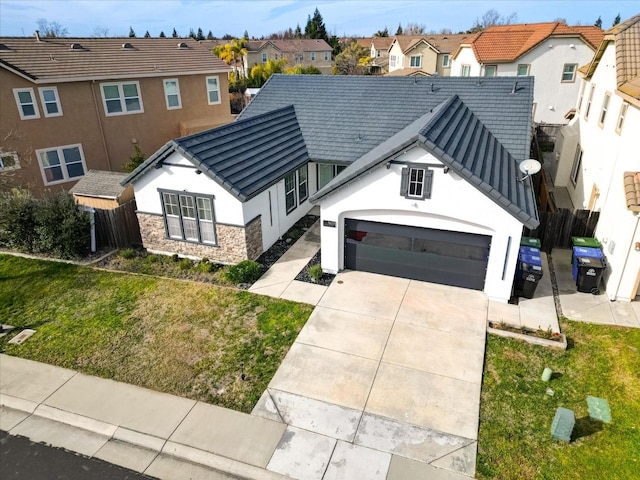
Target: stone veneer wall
234,243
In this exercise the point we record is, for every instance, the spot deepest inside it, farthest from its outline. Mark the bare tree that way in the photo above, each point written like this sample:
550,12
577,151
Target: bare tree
100,32
414,29
51,29
492,17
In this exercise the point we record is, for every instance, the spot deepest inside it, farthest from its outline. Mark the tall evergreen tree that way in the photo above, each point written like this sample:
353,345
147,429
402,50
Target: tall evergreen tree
132,34
200,35
192,34
174,34
210,35
147,34
616,20
598,22
315,27
246,34
298,32
162,35
399,30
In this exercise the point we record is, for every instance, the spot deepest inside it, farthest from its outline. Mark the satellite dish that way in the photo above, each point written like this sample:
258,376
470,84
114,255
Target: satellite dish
529,167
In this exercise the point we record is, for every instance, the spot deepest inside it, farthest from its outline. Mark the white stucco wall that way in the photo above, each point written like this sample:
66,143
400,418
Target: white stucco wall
227,208
454,205
553,98
606,156
397,51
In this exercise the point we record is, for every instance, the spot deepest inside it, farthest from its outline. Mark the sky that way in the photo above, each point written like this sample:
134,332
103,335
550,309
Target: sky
83,18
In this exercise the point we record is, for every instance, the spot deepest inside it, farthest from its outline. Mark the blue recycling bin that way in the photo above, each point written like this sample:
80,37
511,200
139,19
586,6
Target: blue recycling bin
528,271
584,252
529,250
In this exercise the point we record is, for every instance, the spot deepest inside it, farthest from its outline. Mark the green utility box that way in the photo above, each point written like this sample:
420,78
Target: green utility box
531,242
563,423
599,409
585,242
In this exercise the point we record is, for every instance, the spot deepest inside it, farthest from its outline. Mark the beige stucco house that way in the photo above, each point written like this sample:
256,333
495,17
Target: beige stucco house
423,54
297,51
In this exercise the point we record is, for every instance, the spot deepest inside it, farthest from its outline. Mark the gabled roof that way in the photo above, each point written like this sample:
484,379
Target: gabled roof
381,43
453,134
75,59
245,157
507,43
442,43
98,183
626,38
293,45
408,72
342,117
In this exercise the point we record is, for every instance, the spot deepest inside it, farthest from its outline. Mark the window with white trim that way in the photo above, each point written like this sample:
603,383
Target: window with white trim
313,56
121,98
416,182
445,60
50,101
189,217
604,109
490,70
523,69
296,188
621,117
415,61
569,72
299,57
577,165
327,56
172,93
581,97
465,70
589,101
26,102
213,90
9,161
61,164
392,61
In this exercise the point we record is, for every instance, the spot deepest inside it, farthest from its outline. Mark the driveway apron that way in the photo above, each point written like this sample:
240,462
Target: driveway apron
388,367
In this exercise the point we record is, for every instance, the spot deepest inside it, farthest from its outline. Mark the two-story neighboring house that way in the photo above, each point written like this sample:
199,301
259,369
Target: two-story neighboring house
74,104
598,154
551,52
297,51
379,53
423,54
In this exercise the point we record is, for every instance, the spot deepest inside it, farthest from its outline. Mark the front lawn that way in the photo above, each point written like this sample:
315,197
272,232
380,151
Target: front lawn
516,414
184,338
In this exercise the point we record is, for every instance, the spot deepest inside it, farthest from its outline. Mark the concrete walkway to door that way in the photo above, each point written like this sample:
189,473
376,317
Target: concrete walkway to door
382,382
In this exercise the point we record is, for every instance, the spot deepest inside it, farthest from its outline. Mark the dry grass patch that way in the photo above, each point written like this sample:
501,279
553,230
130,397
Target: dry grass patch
184,338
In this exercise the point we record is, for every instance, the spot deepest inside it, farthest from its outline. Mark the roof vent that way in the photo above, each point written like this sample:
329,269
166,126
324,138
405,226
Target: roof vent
76,46
4,48
182,46
515,88
127,46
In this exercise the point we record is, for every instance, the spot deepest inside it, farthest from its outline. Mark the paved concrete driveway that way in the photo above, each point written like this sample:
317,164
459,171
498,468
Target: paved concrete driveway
388,366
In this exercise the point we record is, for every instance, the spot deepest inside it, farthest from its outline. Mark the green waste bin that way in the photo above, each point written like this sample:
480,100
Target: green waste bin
585,242
531,242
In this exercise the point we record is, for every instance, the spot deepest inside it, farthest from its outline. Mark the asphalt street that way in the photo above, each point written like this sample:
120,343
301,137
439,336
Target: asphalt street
22,459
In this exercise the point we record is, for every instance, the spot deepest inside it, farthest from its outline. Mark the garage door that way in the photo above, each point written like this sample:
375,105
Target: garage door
438,256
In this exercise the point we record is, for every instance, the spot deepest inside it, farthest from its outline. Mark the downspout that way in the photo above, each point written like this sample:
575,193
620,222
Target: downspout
104,142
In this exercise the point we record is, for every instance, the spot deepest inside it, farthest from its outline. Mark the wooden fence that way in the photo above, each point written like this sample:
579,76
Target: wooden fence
118,228
557,228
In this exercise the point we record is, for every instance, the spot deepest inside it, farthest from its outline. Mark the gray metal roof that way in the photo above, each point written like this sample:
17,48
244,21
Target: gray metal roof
453,134
246,156
98,183
342,117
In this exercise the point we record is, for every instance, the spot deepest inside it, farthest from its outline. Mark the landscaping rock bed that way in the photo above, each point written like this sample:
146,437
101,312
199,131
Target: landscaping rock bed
271,256
304,276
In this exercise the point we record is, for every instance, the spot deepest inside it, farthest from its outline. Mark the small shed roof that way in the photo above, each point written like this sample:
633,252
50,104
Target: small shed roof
98,183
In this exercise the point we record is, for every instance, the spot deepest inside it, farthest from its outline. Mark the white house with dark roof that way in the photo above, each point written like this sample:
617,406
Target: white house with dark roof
423,184
597,156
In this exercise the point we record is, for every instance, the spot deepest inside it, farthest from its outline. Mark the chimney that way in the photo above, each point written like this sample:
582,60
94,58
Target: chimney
37,35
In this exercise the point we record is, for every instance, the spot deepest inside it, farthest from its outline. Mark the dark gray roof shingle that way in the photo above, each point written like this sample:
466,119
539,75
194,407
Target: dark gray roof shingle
344,117
246,156
453,134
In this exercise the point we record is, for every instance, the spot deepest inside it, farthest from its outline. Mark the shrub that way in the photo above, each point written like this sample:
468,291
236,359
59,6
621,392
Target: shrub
185,264
128,253
17,220
152,258
207,267
315,272
61,226
246,271
175,257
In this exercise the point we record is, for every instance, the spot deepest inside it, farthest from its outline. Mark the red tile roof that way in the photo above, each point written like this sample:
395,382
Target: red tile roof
632,190
506,43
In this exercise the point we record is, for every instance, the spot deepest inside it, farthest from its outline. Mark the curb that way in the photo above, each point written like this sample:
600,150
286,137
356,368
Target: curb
158,445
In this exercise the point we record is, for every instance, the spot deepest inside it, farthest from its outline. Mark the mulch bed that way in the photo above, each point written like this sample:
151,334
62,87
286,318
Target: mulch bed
326,278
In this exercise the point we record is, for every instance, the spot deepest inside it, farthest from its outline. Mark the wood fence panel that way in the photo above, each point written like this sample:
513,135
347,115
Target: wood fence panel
557,228
118,228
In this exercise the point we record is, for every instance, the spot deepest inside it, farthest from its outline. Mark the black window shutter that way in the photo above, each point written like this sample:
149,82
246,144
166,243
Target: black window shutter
404,183
428,181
